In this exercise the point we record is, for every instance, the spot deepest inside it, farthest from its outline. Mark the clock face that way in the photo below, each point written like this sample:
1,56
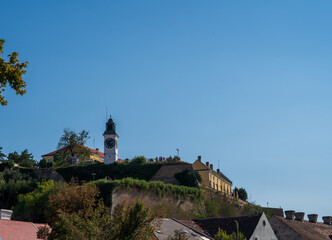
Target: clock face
109,142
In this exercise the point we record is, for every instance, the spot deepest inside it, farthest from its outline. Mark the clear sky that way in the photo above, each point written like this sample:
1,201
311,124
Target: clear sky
245,84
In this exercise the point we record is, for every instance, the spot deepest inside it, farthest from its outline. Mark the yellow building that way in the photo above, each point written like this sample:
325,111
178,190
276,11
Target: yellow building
95,155
213,179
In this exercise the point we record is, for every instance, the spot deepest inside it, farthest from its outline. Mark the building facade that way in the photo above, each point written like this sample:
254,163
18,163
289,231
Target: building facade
213,179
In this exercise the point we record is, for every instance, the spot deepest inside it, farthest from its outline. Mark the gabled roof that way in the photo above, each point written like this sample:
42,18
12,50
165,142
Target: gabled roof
18,230
308,230
100,154
247,224
206,168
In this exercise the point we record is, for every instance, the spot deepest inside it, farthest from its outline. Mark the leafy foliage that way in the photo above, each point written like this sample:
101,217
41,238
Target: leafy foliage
11,74
71,144
32,206
138,160
76,213
198,177
2,155
185,178
115,171
242,193
25,159
13,183
159,188
222,235
132,222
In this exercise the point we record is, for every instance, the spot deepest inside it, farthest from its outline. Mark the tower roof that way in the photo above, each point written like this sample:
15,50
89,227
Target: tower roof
110,127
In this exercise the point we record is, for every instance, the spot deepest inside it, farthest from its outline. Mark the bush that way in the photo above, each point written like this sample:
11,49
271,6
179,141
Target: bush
138,160
159,188
83,172
185,178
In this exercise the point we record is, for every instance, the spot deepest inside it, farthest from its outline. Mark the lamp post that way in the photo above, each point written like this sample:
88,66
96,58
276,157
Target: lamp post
182,232
237,229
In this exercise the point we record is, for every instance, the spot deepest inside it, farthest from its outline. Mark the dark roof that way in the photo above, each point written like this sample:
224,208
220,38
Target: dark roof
274,211
308,230
247,224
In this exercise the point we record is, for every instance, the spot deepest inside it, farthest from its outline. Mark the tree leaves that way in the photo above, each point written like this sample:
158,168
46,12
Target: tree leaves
11,74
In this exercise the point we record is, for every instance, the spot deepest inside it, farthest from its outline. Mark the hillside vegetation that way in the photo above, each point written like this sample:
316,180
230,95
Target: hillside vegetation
83,172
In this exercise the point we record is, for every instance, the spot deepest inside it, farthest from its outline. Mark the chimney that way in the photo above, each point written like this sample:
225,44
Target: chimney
199,158
218,171
313,218
327,220
290,214
5,214
211,166
97,149
207,164
299,216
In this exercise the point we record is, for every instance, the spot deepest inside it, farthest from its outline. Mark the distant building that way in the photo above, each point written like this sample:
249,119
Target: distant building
95,155
253,227
296,228
110,142
213,179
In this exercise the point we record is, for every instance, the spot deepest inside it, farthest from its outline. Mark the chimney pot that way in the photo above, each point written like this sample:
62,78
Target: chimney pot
290,214
207,164
313,218
299,216
97,149
327,220
5,214
218,171
199,158
211,166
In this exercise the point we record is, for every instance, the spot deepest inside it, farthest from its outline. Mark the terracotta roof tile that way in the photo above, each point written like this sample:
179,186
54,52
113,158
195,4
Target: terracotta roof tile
18,230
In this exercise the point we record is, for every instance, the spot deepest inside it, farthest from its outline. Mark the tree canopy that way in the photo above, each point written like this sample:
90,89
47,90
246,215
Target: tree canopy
25,159
71,144
243,195
11,74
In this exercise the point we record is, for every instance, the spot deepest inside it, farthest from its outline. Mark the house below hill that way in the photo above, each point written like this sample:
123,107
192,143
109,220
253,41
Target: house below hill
213,179
293,226
253,227
95,155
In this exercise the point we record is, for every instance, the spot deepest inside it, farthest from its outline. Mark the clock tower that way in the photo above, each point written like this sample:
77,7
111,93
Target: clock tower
110,143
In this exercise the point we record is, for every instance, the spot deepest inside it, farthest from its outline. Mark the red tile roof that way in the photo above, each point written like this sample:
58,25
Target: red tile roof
17,230
100,154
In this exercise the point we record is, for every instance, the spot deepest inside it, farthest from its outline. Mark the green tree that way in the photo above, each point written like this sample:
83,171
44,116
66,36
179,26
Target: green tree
42,163
71,144
12,183
32,206
76,212
138,160
132,222
242,193
2,156
25,159
222,235
11,74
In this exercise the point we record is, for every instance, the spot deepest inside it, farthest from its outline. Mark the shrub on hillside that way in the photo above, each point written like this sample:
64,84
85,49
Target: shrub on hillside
185,178
138,160
83,172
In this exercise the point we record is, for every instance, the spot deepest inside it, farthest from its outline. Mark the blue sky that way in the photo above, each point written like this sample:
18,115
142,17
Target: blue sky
245,84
